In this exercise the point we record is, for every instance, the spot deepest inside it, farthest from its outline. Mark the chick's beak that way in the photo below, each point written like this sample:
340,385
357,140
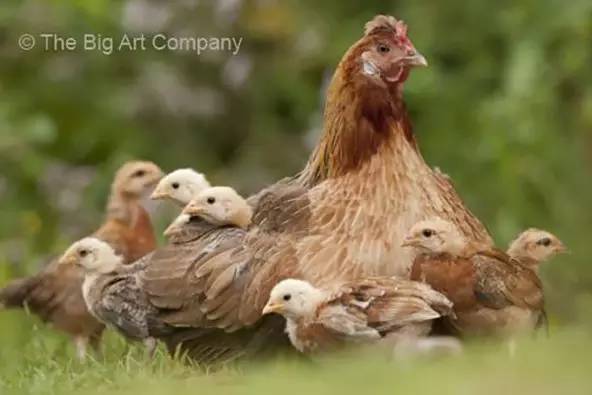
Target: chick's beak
193,209
272,308
158,193
69,258
562,249
409,242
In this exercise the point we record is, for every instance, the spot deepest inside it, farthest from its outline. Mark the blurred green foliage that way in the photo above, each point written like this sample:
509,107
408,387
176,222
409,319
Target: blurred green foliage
505,108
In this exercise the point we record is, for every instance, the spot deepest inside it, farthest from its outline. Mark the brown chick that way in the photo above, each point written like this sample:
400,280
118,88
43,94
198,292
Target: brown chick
534,246
54,294
362,311
492,293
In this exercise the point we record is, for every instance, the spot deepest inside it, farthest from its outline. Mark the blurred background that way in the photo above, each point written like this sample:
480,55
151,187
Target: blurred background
505,108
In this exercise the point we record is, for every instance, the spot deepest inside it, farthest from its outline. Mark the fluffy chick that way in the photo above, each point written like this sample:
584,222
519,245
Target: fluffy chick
111,290
356,312
180,186
534,246
217,206
221,206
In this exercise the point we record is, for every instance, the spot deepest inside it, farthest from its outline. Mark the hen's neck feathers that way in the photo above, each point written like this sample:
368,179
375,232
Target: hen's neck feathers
359,118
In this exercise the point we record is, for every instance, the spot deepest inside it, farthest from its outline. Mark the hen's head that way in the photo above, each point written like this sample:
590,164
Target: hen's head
93,255
385,55
220,206
536,245
181,186
137,178
435,236
293,299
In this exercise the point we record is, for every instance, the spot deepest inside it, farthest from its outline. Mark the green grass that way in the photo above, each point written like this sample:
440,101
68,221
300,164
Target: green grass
35,360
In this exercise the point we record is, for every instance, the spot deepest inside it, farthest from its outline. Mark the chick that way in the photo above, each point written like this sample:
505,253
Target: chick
220,206
534,246
181,186
356,312
492,293
111,290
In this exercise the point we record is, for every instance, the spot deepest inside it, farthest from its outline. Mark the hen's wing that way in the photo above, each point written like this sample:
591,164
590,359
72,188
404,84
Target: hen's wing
202,283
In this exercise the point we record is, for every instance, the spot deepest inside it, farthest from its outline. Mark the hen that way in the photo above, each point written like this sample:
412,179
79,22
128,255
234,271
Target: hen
342,218
356,312
492,293
54,294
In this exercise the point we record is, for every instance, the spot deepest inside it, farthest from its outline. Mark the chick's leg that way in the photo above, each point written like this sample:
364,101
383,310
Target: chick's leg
151,345
81,343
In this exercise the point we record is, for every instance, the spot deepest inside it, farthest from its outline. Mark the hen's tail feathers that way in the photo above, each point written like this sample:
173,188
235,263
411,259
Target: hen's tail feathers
17,292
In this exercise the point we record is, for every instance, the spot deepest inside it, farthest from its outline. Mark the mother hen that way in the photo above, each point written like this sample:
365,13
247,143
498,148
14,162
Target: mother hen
342,218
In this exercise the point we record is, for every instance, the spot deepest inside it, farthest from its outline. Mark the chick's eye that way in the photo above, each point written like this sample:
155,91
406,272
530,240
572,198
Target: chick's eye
175,185
545,242
139,173
211,200
427,233
287,297
383,48
83,253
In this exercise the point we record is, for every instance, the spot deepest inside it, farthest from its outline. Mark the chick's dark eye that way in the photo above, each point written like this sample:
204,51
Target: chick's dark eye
139,173
544,242
287,297
83,253
211,200
427,233
175,185
383,48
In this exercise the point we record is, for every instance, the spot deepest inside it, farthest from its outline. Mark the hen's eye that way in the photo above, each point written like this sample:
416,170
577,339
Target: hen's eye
211,200
175,185
83,253
544,242
427,233
287,297
382,48
139,173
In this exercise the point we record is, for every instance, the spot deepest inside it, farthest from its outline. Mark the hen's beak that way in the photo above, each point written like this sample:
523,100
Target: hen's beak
69,258
416,60
272,308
